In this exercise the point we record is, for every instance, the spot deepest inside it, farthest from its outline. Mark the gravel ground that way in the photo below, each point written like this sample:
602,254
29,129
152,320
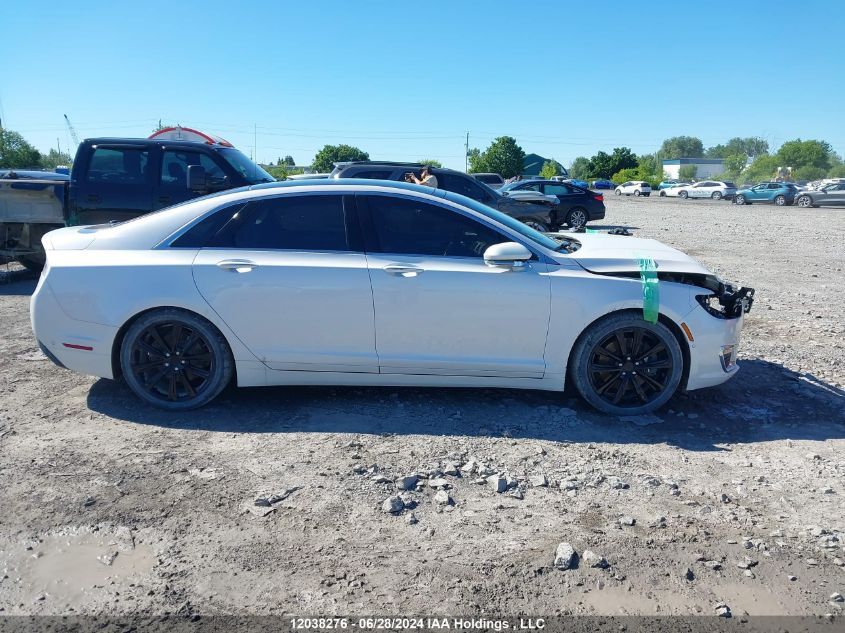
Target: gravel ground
729,495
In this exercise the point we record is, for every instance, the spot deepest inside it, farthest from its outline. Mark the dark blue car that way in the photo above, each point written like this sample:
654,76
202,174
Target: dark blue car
602,183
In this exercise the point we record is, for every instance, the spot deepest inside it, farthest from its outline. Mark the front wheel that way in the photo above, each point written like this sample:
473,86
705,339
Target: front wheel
805,202
537,225
577,218
684,195
618,192
662,193
716,195
175,360
637,193
780,200
624,365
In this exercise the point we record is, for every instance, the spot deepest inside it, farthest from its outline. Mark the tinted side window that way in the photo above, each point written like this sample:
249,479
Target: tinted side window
302,223
174,167
463,185
411,227
558,190
203,232
118,165
375,175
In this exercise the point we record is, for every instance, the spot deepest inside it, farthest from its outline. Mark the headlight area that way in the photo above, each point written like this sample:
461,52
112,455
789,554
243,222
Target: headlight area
728,357
728,302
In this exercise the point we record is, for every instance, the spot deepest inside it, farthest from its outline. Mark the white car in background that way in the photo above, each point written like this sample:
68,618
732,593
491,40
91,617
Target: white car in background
672,191
714,189
633,188
344,283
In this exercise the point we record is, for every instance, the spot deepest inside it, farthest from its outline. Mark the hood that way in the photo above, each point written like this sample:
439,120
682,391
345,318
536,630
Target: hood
607,254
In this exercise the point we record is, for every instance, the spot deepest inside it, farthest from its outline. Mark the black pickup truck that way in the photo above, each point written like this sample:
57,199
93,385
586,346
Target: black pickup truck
113,179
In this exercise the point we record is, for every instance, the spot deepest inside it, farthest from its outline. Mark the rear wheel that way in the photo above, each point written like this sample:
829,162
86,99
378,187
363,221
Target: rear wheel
684,195
624,365
637,193
662,193
175,359
780,200
740,199
576,218
805,202
35,263
716,195
618,192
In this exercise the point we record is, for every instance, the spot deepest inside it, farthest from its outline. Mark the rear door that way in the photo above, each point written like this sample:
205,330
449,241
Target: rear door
439,309
836,194
288,275
117,184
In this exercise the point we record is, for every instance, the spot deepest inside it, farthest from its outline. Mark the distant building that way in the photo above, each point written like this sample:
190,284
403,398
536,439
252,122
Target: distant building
704,167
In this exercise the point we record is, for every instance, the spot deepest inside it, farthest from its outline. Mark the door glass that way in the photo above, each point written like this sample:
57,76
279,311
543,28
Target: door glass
174,168
411,227
118,165
301,223
557,190
463,185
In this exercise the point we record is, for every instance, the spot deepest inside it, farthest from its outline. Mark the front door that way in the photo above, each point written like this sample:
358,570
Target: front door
286,277
439,308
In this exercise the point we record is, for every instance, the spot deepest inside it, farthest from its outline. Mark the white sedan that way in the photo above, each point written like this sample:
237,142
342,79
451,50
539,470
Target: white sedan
714,189
351,282
674,190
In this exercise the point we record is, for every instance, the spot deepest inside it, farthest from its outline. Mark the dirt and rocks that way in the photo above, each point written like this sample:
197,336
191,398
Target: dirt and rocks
397,501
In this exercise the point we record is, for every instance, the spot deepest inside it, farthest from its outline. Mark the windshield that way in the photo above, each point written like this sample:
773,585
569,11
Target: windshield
511,223
245,167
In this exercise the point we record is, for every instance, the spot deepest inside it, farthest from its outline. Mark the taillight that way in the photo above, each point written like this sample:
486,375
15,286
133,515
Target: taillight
598,196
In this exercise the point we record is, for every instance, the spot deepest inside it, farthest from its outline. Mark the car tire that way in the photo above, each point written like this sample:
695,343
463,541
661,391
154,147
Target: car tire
618,192
33,263
577,217
662,193
805,202
637,193
780,200
683,194
716,195
535,224
157,341
636,388
740,199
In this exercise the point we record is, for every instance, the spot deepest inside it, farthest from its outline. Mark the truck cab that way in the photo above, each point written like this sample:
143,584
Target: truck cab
115,179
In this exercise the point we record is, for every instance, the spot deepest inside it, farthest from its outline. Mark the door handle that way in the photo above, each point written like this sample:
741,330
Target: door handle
93,197
403,270
237,265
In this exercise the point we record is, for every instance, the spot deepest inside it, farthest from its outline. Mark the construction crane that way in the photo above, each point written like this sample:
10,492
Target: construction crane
72,131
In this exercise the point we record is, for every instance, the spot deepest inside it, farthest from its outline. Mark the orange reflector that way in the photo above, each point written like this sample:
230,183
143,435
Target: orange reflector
686,330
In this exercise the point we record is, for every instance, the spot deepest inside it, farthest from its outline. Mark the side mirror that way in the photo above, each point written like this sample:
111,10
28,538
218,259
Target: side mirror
507,255
197,178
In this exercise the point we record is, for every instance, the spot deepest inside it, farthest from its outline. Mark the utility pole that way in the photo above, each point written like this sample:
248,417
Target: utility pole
466,154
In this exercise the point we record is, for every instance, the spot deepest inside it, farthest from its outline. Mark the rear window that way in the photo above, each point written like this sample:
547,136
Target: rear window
731,185
118,165
373,175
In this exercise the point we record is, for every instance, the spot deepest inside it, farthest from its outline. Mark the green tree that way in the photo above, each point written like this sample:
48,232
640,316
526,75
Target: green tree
16,152
604,165
330,154
503,157
687,172
750,146
808,172
798,153
763,168
476,161
550,168
289,161
431,162
55,158
837,171
580,168
682,147
734,164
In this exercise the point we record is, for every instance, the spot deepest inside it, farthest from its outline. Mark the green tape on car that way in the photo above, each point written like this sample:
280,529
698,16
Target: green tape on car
591,231
651,289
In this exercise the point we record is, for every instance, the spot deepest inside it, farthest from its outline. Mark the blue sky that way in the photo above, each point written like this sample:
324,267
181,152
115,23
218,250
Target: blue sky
407,80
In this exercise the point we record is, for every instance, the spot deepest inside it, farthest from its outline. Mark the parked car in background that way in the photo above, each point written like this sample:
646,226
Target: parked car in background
583,184
601,183
829,194
307,176
493,180
577,206
633,188
534,208
779,193
673,190
714,189
380,284
665,184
